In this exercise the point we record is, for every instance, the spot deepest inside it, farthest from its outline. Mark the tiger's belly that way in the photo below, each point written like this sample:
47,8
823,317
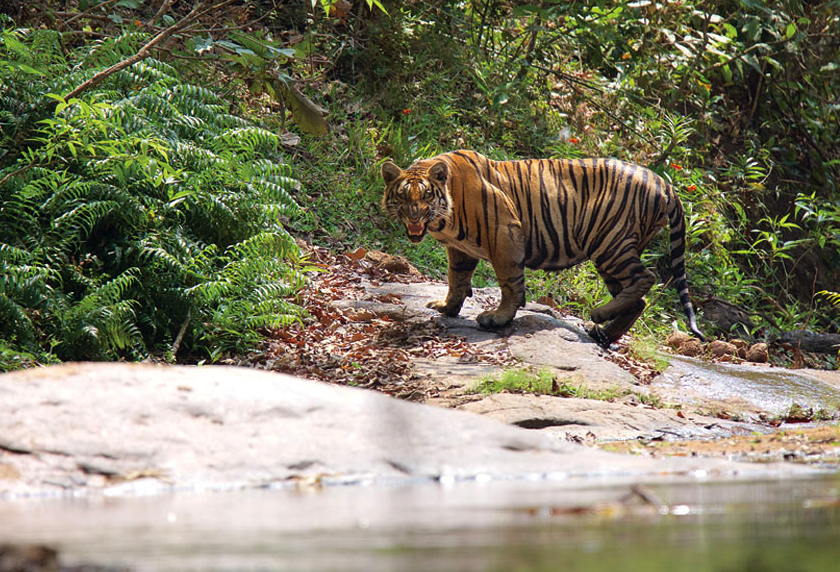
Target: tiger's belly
544,253
552,264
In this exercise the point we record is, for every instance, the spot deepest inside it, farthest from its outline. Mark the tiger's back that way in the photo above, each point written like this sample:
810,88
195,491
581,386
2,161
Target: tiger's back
543,213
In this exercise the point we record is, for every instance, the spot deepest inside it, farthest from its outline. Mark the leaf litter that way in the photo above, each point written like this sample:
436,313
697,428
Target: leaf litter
366,347
361,346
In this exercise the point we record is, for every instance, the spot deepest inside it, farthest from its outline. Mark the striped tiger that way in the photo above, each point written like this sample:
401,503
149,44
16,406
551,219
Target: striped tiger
541,213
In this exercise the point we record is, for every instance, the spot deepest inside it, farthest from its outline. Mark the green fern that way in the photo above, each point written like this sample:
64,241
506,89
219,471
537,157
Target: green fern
138,208
102,324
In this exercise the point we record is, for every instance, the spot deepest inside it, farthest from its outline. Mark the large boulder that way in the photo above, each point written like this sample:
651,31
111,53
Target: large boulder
138,427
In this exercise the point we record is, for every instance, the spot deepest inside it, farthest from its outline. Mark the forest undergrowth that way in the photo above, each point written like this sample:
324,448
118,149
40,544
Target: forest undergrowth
151,211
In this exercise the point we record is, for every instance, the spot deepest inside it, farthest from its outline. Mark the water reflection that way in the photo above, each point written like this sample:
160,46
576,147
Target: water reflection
791,525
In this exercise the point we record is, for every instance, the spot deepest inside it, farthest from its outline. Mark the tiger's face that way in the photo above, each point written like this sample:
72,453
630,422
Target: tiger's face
417,196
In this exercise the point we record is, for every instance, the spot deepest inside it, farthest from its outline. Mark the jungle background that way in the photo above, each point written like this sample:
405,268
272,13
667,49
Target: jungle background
164,164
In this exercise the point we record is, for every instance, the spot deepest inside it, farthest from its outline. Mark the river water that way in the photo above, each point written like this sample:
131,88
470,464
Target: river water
790,525
774,391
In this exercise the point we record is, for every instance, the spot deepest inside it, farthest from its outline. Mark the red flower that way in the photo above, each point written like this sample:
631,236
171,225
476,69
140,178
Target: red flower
676,166
692,188
574,140
406,111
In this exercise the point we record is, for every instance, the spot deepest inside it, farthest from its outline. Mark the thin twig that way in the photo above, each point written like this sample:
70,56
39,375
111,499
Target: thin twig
164,6
176,345
87,12
146,50
25,168
568,79
16,172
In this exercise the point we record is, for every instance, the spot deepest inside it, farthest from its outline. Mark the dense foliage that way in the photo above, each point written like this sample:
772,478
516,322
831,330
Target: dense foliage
144,212
736,102
137,217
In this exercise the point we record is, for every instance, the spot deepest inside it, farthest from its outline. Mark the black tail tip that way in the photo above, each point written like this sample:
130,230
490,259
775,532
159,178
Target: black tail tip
696,331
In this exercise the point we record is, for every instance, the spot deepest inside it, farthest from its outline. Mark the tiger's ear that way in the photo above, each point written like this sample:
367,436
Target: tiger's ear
439,172
390,172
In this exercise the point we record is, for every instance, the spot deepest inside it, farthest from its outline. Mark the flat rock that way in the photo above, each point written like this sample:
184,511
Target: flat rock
592,420
539,336
132,428
712,394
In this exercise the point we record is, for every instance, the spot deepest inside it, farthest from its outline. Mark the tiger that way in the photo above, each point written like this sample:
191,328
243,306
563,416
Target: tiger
545,214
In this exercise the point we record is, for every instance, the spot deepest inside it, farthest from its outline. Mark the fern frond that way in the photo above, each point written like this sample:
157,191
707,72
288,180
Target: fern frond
81,220
111,49
15,323
248,139
151,71
261,245
282,201
195,156
142,202
111,292
191,97
279,173
226,120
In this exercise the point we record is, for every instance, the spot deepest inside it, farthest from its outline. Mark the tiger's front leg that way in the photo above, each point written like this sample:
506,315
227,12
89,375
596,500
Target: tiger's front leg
508,259
461,269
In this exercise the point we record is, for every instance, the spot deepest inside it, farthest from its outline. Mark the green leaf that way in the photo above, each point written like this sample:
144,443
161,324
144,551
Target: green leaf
791,30
730,30
307,115
525,10
752,60
200,44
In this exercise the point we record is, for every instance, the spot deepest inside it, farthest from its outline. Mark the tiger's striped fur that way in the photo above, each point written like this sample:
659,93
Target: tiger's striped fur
541,213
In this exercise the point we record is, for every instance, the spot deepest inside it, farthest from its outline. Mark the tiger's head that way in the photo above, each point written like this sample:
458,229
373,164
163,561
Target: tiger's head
417,196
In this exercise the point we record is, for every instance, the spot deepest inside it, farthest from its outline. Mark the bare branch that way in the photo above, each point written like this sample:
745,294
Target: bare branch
164,6
200,9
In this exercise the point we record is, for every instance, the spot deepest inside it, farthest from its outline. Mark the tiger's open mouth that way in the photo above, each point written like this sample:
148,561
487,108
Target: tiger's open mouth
415,231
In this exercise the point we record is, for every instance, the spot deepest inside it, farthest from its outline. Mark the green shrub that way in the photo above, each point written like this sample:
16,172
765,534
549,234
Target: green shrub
138,214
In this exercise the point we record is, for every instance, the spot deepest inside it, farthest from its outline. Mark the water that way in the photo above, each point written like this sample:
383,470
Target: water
790,525
773,390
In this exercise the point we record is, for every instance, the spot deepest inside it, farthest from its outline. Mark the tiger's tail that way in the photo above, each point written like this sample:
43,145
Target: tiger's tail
676,220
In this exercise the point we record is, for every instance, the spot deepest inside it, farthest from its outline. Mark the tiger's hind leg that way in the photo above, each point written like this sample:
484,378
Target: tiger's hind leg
606,335
626,305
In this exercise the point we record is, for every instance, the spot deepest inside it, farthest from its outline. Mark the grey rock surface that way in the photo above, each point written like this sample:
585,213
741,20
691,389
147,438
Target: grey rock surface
542,339
129,428
538,336
591,420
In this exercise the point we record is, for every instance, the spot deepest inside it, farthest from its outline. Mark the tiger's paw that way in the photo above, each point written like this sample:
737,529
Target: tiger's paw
442,307
598,335
599,316
492,319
